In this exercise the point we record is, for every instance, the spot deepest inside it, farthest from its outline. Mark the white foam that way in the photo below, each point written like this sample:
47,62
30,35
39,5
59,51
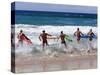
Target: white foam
54,29
33,32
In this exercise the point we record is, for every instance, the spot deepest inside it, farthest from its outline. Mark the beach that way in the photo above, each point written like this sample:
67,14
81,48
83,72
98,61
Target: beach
55,56
46,63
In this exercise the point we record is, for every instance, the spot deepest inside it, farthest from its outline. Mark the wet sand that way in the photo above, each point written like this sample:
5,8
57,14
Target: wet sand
30,63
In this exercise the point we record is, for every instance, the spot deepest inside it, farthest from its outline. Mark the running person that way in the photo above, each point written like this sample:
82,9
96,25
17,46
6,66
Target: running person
22,37
78,34
90,34
62,37
43,36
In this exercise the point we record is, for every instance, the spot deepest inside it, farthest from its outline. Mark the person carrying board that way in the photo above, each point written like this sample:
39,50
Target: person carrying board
90,34
23,38
78,34
62,37
43,37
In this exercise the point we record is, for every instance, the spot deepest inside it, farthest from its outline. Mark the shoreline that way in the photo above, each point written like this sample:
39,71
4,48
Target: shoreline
47,63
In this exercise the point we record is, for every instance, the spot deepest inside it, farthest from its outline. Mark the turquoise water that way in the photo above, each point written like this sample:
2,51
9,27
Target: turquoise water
55,18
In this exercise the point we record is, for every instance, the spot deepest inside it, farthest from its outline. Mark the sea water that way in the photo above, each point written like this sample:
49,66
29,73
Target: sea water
34,22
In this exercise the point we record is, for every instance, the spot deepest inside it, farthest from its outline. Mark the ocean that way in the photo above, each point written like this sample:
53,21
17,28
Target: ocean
55,18
33,22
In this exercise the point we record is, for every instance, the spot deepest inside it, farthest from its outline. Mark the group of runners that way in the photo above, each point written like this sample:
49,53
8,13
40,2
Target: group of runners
43,37
77,34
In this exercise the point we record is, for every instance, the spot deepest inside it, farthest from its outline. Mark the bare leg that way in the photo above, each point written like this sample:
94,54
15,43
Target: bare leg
65,45
20,43
47,44
43,46
90,46
78,41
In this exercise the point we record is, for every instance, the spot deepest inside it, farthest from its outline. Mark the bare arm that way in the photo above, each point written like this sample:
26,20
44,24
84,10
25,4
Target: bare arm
81,33
88,33
93,33
40,37
18,36
75,34
49,34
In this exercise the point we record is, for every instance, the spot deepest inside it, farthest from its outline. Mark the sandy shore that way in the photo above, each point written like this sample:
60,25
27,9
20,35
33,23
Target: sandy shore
30,63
